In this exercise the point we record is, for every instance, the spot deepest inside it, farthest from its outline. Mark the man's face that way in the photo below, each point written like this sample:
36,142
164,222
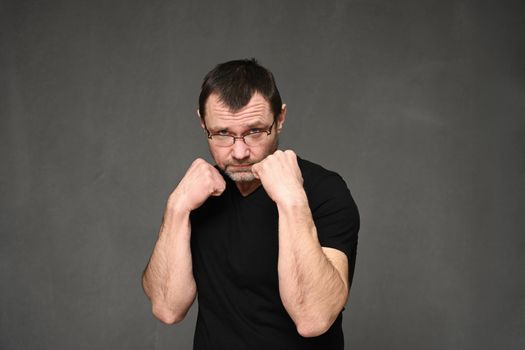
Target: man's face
236,160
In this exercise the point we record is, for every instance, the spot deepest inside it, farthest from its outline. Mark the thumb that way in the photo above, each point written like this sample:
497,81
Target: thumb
219,187
218,191
255,170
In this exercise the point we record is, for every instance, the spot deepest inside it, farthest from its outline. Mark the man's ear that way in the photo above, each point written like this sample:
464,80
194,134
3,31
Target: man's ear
200,119
281,118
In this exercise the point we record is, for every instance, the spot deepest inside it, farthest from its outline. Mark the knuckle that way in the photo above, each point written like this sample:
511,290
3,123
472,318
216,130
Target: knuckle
209,173
198,163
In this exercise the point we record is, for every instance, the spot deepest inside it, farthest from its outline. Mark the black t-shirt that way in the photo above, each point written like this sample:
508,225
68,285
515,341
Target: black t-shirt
234,244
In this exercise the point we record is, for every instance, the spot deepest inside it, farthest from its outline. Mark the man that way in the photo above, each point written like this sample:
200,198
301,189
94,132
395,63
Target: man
267,239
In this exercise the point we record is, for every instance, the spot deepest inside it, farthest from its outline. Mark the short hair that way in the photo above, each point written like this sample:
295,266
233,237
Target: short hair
235,82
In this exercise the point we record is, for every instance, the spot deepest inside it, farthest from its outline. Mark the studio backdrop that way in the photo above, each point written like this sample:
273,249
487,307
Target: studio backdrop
419,105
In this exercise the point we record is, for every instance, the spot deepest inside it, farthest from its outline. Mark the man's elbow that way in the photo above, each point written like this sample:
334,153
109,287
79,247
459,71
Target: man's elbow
309,329
166,315
317,321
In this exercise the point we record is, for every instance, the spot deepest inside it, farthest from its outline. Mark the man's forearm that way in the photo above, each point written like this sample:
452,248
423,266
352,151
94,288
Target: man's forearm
312,290
168,279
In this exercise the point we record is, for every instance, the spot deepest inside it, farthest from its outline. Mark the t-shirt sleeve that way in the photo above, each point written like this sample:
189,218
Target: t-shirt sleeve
336,217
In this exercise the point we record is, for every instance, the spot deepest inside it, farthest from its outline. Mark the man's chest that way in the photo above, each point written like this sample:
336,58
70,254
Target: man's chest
235,240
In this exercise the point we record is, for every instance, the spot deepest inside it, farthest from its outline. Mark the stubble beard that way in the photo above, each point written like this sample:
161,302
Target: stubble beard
240,176
247,176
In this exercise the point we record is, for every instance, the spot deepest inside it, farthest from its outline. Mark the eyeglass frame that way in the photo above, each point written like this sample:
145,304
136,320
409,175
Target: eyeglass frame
235,138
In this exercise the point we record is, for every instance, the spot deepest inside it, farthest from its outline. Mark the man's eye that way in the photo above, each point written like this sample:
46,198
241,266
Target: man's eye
223,132
254,131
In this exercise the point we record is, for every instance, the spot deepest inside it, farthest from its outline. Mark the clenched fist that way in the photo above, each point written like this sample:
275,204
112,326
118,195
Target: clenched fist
281,177
200,182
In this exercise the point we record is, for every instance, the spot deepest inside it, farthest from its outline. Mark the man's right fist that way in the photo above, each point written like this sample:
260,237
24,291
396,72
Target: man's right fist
200,182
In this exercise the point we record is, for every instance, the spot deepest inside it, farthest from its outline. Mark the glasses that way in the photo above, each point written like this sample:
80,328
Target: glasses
252,138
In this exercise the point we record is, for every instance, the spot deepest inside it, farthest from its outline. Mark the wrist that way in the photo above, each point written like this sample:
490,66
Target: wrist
175,210
176,204
295,200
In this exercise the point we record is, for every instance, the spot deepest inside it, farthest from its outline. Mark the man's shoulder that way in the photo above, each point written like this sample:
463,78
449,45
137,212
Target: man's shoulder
315,175
309,168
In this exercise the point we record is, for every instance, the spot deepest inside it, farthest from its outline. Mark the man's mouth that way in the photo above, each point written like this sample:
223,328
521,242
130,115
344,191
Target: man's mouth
240,167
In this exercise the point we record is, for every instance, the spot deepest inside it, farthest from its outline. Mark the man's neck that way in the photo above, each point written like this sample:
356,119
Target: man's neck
245,187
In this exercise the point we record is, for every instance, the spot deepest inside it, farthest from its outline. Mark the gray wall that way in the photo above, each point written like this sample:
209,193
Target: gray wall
417,104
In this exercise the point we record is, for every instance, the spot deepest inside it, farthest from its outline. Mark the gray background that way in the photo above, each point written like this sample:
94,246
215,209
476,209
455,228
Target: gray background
417,104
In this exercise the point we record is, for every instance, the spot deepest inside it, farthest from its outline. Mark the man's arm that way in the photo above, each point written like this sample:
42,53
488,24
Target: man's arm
313,281
168,278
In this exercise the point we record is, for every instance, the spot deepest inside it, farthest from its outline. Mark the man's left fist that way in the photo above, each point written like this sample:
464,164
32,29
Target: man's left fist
281,177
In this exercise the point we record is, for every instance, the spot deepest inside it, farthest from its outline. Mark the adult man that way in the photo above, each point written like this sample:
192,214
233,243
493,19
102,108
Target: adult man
267,239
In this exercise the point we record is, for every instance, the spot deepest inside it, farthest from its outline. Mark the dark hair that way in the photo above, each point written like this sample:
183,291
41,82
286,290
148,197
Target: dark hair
235,82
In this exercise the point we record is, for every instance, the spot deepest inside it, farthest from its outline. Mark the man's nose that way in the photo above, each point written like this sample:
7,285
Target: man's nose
240,150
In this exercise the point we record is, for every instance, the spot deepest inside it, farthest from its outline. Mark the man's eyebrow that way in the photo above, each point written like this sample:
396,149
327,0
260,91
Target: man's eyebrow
217,128
253,125
257,124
